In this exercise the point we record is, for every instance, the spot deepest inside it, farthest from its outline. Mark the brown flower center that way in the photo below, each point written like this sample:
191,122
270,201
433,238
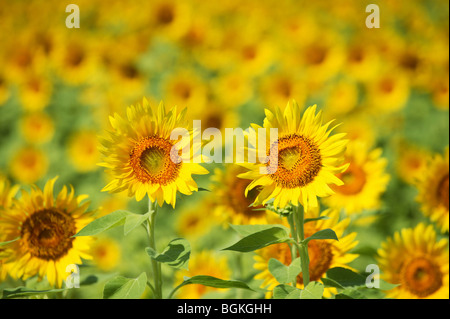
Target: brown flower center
298,159
239,202
47,234
421,277
153,162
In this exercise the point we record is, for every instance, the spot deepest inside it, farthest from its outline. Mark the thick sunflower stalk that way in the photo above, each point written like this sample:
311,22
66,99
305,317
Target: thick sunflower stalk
306,164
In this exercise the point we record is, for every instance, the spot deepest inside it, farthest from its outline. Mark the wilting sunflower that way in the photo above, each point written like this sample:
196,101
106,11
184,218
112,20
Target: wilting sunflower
204,263
323,254
304,162
415,260
231,204
42,228
434,190
137,154
365,180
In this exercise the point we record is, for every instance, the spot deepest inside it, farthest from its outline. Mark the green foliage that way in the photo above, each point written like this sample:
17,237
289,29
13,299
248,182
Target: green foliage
27,292
125,288
260,239
314,290
322,234
286,292
117,218
176,254
282,273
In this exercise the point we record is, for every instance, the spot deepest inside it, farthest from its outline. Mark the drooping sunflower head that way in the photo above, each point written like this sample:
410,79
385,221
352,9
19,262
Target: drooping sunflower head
301,163
138,155
414,259
323,254
433,188
41,229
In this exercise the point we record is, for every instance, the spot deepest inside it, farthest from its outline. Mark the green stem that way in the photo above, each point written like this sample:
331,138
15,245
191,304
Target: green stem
294,244
304,257
156,267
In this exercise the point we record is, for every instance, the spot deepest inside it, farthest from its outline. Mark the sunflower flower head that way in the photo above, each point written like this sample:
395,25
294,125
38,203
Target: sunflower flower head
137,154
417,261
305,162
41,228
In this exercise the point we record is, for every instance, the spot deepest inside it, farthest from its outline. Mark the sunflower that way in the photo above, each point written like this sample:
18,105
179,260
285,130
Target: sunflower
137,154
434,190
28,165
204,263
191,223
37,127
305,160
82,150
231,206
411,162
365,180
7,192
42,228
106,253
414,259
323,254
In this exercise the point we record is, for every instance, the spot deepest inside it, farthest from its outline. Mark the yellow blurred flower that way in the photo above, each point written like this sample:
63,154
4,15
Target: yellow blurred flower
28,165
83,151
231,203
232,89
434,190
191,222
281,86
185,88
411,162
388,93
365,180
203,263
106,253
414,259
342,98
37,127
35,92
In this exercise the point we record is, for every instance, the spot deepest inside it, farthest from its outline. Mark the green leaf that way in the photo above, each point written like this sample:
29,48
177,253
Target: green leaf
210,281
350,293
134,220
314,290
384,285
307,220
201,189
261,239
331,283
9,242
345,277
322,234
25,292
125,288
176,254
282,273
104,223
286,292
245,230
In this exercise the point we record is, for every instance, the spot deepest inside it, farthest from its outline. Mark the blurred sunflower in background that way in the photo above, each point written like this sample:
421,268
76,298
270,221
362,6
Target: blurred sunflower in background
417,261
41,228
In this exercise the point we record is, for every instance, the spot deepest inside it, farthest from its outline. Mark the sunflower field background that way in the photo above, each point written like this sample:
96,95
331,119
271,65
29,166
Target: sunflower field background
227,62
